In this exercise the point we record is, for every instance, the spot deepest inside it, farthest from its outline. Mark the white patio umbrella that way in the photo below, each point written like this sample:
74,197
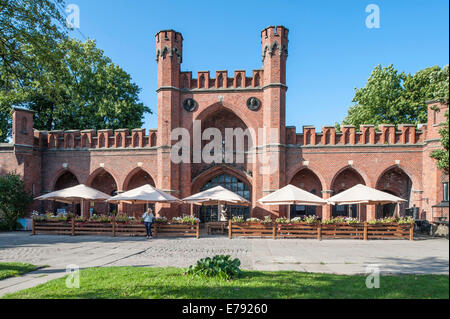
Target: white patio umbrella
292,195
75,194
361,194
217,196
144,195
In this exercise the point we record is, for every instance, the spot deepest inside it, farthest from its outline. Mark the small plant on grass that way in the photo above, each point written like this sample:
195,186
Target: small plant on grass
219,266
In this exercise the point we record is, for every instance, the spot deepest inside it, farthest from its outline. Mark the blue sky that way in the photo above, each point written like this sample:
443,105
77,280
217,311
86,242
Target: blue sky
331,51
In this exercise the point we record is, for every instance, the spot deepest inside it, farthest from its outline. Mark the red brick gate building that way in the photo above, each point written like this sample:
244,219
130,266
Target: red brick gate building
392,159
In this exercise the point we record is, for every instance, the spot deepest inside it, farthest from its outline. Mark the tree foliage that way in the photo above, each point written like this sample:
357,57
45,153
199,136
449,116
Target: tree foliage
14,200
25,23
441,155
70,84
393,97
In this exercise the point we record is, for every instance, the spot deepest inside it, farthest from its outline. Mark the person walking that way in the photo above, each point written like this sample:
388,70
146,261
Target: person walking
149,218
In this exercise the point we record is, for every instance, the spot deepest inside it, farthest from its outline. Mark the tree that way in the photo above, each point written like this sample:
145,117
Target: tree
86,90
38,23
70,84
14,200
23,24
392,97
442,155
441,94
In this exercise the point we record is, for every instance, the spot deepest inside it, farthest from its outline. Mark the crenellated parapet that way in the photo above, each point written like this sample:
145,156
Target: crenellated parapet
221,80
386,134
95,139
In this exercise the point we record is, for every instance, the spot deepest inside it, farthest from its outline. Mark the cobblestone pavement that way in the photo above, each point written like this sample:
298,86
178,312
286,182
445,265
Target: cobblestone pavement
329,256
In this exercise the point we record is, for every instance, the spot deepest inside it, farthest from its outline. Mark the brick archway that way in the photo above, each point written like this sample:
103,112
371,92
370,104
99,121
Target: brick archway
226,177
222,119
214,108
307,180
352,172
104,181
136,178
64,179
201,179
98,172
61,173
346,178
396,181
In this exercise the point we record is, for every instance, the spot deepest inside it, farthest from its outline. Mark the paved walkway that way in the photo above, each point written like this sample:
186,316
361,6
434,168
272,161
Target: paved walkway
327,256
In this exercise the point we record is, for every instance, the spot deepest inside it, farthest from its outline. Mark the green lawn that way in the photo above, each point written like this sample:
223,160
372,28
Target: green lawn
139,282
15,269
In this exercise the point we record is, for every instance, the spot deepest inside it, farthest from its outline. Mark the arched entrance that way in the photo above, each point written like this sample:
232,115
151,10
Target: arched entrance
231,149
396,182
308,181
344,180
137,178
65,180
234,184
104,182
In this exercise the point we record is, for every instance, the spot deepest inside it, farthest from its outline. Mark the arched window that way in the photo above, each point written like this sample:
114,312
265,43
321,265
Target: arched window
210,213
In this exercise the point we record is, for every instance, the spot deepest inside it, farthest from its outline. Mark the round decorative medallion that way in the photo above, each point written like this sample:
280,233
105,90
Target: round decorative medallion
189,104
253,103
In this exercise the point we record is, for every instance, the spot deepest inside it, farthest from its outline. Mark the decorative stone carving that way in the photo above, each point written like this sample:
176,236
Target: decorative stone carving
253,103
189,105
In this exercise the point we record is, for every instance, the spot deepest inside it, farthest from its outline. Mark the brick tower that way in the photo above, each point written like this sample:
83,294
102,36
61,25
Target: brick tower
169,48
274,42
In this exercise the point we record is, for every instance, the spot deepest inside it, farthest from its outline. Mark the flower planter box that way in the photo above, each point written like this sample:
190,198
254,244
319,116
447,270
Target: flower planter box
297,230
113,228
251,229
318,230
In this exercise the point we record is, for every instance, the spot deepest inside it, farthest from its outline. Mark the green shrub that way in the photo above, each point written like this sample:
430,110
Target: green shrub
220,266
14,200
